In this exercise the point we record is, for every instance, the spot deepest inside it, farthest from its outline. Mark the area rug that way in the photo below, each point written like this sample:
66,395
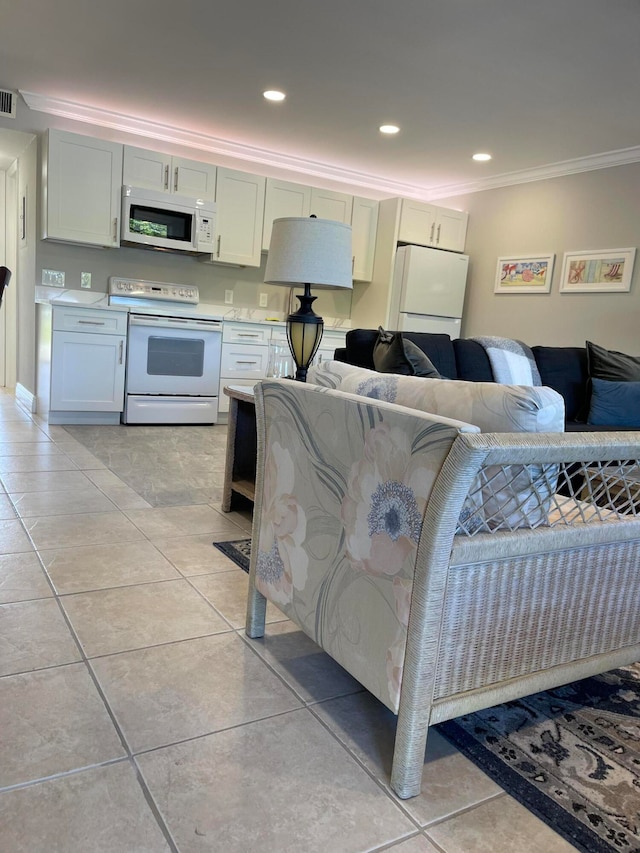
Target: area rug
570,755
238,551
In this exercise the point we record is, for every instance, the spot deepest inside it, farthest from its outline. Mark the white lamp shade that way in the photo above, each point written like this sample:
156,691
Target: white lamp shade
305,250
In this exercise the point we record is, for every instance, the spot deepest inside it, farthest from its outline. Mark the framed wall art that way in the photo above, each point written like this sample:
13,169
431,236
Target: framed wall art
530,274
606,271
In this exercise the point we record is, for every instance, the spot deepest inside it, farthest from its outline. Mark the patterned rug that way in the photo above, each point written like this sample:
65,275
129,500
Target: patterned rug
570,755
238,551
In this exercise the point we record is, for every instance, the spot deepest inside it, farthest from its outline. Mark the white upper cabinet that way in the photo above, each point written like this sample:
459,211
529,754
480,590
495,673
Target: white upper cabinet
153,170
82,181
327,204
451,229
364,228
240,206
428,225
283,198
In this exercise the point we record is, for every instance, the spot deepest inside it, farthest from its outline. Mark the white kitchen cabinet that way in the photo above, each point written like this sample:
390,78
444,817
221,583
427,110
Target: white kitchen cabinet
283,198
81,187
87,365
327,204
364,228
245,355
154,170
331,340
240,215
429,225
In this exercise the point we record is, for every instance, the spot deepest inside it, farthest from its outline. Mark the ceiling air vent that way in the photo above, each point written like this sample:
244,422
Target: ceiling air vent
8,103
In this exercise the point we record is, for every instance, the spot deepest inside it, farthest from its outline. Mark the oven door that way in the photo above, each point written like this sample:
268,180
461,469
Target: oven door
173,356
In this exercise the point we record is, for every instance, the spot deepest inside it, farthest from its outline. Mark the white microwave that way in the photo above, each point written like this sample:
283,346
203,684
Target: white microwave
157,220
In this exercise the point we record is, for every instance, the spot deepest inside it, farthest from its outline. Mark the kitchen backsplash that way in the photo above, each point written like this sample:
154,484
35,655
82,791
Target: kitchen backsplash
211,279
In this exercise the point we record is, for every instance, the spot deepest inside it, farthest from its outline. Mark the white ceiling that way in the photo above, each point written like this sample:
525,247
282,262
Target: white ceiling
533,83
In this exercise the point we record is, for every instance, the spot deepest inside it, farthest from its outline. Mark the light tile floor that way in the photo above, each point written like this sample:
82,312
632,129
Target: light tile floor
134,713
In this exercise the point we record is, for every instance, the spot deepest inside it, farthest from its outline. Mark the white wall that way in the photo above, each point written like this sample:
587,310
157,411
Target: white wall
582,212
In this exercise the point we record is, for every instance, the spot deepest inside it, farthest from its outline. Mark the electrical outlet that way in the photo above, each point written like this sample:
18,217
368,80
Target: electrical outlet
228,297
85,279
264,300
53,278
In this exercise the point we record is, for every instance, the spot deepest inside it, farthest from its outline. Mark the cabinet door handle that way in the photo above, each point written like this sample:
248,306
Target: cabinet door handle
115,229
166,177
91,322
219,242
121,351
438,235
248,334
433,225
353,263
246,362
175,180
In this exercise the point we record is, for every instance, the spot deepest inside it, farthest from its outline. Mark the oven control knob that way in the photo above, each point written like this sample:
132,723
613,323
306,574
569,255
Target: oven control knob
182,293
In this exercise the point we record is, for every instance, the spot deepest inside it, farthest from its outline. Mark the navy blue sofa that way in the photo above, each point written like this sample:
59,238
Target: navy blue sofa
562,368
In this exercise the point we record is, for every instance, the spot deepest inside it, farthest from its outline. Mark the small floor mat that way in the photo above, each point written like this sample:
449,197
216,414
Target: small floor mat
239,551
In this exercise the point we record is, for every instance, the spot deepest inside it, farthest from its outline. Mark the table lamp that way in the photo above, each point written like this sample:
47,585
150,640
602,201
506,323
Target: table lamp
309,251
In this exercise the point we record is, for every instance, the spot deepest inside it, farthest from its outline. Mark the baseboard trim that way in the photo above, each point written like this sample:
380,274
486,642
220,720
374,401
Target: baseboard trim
26,398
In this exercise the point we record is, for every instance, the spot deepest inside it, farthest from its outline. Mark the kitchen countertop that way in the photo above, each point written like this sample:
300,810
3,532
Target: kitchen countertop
91,299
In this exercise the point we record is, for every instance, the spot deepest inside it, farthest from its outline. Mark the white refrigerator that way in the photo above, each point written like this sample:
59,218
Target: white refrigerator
428,290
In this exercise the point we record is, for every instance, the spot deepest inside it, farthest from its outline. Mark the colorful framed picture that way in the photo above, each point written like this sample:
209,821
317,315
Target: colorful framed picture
607,271
531,274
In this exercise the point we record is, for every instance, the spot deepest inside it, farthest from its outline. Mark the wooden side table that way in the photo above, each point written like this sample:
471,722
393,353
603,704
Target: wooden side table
240,465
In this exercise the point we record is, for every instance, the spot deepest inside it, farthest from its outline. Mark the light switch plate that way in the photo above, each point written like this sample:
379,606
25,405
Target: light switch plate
53,278
264,300
228,297
85,279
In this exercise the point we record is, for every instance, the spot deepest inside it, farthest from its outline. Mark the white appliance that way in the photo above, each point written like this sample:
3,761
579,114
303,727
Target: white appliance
174,348
428,290
156,220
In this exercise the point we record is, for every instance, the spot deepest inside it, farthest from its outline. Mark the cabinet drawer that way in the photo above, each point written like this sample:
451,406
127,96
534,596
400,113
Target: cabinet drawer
243,361
247,333
91,321
279,335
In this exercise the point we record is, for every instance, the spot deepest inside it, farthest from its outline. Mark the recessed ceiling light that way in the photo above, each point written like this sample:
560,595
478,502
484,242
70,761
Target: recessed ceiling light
481,157
274,95
389,128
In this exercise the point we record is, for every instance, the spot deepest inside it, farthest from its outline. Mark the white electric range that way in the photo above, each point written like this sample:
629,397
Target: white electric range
174,347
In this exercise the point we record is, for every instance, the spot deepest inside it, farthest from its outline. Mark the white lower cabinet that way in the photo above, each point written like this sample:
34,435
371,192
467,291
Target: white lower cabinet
245,353
87,366
245,356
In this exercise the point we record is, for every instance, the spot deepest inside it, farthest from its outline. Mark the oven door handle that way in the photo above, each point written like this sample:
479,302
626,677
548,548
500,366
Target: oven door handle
176,323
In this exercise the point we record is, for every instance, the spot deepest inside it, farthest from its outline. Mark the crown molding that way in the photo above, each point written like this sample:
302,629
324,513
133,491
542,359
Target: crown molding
215,145
541,173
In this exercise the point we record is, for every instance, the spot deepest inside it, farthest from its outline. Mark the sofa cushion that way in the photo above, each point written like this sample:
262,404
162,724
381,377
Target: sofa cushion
488,405
359,345
565,370
614,403
393,354
472,361
505,498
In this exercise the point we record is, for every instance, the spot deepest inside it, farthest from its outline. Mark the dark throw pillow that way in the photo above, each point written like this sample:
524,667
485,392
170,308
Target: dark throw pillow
393,354
611,365
614,403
